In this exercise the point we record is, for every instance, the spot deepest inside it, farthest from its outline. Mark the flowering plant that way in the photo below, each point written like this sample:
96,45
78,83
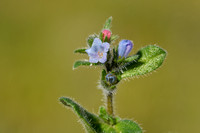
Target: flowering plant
116,65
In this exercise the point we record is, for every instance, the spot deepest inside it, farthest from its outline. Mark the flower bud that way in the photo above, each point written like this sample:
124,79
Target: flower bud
124,48
111,78
106,33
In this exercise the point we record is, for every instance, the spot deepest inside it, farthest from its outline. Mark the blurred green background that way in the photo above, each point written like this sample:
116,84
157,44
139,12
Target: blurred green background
37,39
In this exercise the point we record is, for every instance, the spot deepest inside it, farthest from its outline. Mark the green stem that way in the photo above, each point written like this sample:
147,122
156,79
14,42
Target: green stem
110,103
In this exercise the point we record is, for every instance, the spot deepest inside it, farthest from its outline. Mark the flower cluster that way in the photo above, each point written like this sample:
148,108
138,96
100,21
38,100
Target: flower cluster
115,59
99,49
102,51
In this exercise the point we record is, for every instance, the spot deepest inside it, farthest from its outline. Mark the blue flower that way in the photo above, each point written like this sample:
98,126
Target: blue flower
125,47
111,78
98,51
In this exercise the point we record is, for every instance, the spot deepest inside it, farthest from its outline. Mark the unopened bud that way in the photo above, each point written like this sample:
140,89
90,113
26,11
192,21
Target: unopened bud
106,33
124,48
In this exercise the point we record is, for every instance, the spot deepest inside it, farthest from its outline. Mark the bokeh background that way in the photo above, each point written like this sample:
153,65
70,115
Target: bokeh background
37,39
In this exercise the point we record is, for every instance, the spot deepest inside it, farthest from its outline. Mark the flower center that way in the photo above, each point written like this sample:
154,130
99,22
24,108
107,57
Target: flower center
100,54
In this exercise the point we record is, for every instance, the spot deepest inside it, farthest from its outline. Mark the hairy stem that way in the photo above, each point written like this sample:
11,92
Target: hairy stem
110,103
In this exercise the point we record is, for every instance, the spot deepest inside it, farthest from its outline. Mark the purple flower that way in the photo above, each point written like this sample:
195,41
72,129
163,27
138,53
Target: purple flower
98,51
124,48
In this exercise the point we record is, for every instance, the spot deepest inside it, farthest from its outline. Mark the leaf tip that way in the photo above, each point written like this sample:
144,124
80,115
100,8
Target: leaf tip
64,100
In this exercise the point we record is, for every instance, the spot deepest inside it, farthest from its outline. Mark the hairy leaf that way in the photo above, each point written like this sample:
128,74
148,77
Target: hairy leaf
106,117
101,36
81,51
91,122
108,23
114,37
131,58
127,126
83,63
103,124
128,59
150,58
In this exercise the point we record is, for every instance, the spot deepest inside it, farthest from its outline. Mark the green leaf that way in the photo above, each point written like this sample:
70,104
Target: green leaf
103,74
127,126
114,37
91,122
95,124
115,54
83,63
106,39
81,51
101,36
91,39
150,58
121,60
108,23
128,59
131,58
106,117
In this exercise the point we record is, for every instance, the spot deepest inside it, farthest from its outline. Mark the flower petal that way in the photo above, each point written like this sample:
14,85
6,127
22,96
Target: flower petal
88,50
98,51
93,60
121,50
106,46
104,58
97,41
128,49
91,52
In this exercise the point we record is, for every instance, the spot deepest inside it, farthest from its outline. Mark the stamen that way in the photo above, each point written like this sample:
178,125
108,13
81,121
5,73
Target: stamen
100,54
